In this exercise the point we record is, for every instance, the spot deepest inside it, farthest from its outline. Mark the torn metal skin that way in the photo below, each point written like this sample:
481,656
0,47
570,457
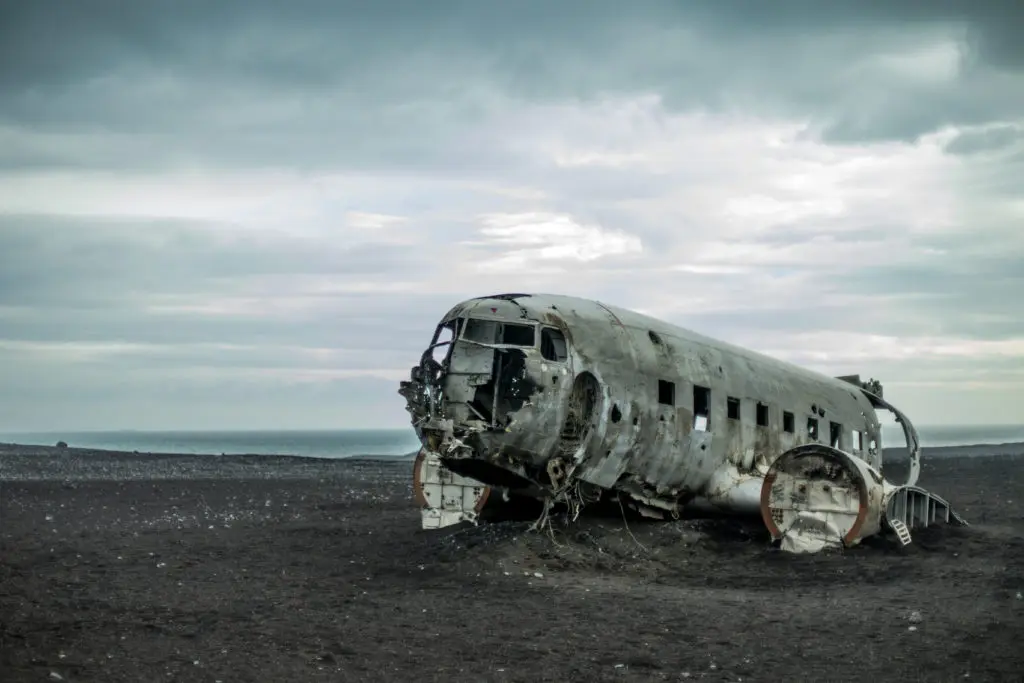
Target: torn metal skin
568,400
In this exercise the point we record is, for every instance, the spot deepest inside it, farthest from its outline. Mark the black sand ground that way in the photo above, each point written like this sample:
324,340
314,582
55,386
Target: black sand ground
121,567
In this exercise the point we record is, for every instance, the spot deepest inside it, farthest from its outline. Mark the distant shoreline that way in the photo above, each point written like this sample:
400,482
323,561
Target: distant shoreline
33,450
1012,449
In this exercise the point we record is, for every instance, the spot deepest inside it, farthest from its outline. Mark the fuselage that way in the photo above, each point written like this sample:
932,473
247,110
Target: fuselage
553,394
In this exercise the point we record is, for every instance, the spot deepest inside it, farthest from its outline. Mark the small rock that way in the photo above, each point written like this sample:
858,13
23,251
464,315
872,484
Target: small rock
538,575
54,676
915,617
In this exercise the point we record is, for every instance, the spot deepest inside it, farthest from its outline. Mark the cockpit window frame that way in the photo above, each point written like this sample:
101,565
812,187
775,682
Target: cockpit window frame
466,325
456,324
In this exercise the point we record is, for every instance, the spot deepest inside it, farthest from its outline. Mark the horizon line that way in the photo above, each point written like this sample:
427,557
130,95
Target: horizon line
256,430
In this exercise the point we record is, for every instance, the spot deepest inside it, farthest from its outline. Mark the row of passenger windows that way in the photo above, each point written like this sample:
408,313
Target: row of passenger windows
702,415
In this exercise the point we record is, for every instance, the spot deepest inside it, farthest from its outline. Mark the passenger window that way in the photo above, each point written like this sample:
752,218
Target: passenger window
788,423
856,439
812,428
552,345
666,392
762,415
732,408
701,408
835,434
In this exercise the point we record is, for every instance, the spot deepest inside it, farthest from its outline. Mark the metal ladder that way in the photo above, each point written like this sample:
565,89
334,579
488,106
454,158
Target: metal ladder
902,532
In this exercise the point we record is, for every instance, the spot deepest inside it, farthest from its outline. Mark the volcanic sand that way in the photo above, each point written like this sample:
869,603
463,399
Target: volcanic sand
138,567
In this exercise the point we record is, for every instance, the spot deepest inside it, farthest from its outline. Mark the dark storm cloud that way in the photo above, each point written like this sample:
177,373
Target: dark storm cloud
405,82
992,26
52,42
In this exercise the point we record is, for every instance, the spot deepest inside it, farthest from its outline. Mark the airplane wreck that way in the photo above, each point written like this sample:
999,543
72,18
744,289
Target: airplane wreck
571,401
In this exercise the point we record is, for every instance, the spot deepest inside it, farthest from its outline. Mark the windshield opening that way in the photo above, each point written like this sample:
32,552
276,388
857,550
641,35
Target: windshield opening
496,332
445,334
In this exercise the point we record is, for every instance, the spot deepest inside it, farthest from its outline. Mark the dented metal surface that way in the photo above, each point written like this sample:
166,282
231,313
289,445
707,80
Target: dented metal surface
568,400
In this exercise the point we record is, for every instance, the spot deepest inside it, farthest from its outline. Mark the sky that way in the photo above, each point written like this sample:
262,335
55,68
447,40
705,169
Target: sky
242,215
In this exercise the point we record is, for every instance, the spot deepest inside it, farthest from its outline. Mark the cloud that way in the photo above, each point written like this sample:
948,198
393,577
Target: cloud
205,208
531,241
403,85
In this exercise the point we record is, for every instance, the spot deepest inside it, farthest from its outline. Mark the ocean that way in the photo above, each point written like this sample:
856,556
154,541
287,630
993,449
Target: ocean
340,443
344,443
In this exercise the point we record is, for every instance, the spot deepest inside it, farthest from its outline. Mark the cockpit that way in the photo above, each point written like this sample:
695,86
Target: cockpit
478,371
